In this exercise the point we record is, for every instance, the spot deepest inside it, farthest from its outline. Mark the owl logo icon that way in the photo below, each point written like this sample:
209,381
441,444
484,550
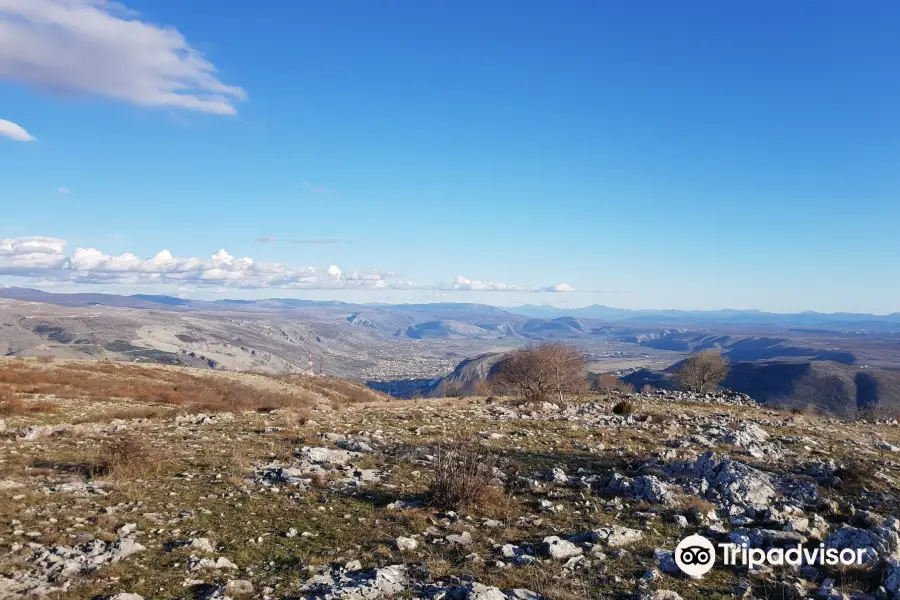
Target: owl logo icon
695,555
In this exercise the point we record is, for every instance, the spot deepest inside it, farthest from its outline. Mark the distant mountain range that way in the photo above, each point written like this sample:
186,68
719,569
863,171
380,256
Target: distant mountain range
812,320
554,322
467,311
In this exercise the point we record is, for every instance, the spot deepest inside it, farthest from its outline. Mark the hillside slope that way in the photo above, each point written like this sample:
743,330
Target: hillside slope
95,385
826,386
738,347
464,379
273,341
823,386
129,481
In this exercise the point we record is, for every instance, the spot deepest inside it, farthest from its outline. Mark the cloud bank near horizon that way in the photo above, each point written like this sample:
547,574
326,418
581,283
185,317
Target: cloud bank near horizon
45,259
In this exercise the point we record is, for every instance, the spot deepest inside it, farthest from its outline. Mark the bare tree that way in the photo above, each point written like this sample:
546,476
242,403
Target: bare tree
702,372
538,371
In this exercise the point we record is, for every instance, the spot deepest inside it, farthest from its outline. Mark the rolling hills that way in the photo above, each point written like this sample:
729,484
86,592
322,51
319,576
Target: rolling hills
412,349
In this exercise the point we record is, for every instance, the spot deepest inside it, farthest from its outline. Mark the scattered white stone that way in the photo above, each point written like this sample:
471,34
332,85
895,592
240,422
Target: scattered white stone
201,545
558,549
462,539
405,544
238,587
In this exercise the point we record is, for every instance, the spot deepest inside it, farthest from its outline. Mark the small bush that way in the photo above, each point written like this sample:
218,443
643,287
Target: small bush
128,457
611,383
453,389
876,412
624,407
853,473
463,475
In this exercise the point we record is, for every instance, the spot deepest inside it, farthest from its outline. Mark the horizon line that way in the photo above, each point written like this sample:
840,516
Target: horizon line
499,306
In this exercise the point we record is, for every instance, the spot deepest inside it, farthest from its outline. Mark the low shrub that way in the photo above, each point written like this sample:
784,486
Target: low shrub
624,407
463,475
128,457
611,383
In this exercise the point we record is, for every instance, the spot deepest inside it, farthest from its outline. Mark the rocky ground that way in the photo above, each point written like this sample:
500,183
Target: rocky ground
325,491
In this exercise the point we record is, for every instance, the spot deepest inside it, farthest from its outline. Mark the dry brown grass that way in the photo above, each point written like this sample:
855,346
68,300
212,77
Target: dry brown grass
105,380
338,391
294,418
43,407
10,404
696,503
124,414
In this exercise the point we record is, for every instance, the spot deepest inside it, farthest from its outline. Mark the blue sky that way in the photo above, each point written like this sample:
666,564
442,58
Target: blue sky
654,155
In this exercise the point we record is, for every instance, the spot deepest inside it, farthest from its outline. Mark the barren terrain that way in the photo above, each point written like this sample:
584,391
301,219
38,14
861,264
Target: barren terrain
168,482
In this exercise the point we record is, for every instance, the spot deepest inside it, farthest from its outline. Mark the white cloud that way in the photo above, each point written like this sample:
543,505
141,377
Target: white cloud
64,190
366,276
463,284
45,259
30,256
100,48
10,129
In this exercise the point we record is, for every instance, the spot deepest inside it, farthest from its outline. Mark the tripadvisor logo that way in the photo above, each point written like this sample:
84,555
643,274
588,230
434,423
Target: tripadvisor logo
695,556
